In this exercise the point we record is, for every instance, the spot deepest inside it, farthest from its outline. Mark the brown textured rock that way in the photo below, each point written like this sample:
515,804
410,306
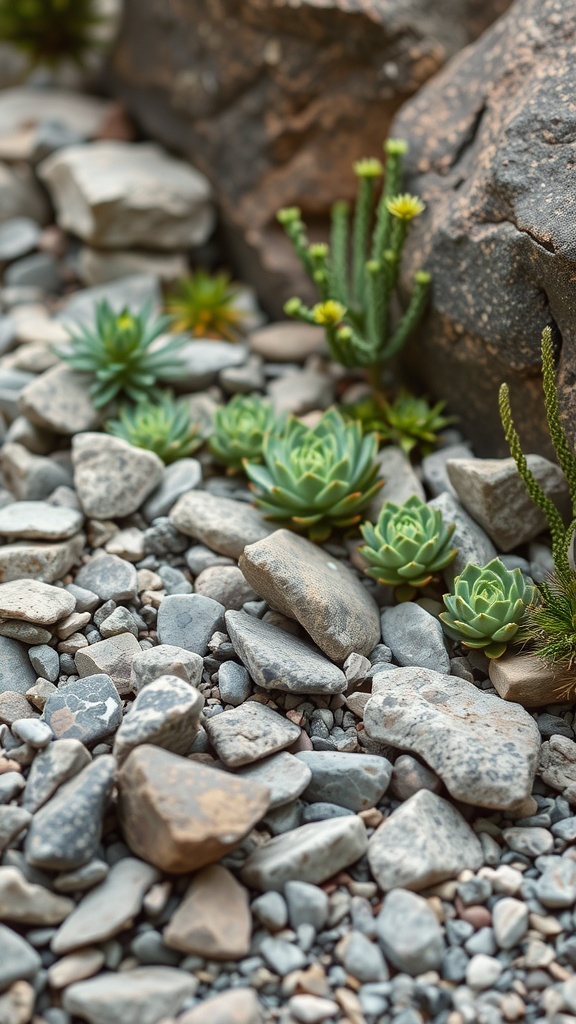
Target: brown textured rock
529,681
213,920
490,151
299,92
180,815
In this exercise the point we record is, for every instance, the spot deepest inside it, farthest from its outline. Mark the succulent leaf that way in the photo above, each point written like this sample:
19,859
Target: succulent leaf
239,431
407,544
205,304
487,606
164,427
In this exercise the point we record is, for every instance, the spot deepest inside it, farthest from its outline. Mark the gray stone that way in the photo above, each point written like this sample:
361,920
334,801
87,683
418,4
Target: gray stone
285,776
13,821
25,632
59,400
556,888
97,266
179,478
26,903
282,957
118,195
224,525
188,621
133,292
306,583
143,995
483,971
18,237
109,908
16,672
34,601
423,841
32,731
311,853
39,560
87,709
246,734
278,661
31,477
110,577
234,683
307,904
19,960
82,878
38,270
472,543
531,841
287,341
509,921
363,959
11,785
409,933
52,767
45,662
415,637
162,660
65,832
410,776
112,657
27,105
558,765
301,391
400,481
112,478
226,584
86,601
119,621
484,750
202,361
493,492
165,713
434,467
271,910
20,194
356,781
13,706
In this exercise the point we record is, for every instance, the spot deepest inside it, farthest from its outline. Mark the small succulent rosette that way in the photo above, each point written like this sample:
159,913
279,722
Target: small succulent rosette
487,606
240,428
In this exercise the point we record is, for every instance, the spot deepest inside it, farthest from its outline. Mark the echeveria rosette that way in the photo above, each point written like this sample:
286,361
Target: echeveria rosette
164,427
239,430
407,547
316,478
487,606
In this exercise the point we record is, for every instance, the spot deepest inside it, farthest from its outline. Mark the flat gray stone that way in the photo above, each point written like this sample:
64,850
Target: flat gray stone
32,731
86,709
188,621
26,903
132,291
112,657
65,832
484,749
277,660
165,713
311,853
22,105
16,672
415,637
179,478
248,733
556,887
409,933
285,776
356,781
143,995
112,478
34,601
39,560
234,683
52,767
59,400
162,660
110,577
13,821
400,481
226,584
109,908
424,841
18,237
202,361
472,543
303,581
38,270
224,525
45,662
20,961
31,477
301,391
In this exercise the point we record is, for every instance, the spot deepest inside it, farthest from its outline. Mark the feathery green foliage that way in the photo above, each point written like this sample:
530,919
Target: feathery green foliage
204,305
240,428
487,606
117,352
164,427
408,421
316,479
356,293
408,546
49,31
549,629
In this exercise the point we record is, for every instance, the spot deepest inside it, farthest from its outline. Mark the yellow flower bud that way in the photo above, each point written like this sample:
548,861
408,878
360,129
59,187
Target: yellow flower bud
328,313
369,167
405,207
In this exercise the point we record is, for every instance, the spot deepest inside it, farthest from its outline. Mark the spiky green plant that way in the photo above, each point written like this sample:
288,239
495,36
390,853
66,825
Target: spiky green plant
164,427
204,304
356,295
316,479
118,352
408,546
49,31
487,606
239,430
408,421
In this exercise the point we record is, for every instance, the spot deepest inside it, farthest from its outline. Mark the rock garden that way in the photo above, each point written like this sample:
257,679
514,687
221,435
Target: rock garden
287,513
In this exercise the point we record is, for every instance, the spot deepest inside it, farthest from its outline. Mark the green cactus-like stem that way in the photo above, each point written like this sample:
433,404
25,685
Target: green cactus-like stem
563,451
395,150
411,317
360,237
339,252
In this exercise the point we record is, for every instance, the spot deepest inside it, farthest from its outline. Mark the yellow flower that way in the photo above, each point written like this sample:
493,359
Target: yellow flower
318,250
405,206
288,215
125,322
369,167
328,313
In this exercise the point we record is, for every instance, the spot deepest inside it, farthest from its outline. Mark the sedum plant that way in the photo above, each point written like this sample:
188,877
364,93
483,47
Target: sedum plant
240,428
356,293
487,606
204,304
316,478
164,427
49,31
408,546
118,352
408,421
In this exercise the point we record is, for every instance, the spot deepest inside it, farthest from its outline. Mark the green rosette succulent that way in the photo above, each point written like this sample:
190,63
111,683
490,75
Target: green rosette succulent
408,546
164,427
239,430
408,421
316,478
486,607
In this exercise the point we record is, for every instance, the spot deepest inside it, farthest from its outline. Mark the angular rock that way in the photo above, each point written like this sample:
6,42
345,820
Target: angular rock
18,237
510,922
239,1006
39,521
484,751
226,584
222,524
110,577
133,291
16,672
33,601
470,540
278,661
65,832
529,680
86,709
83,964
203,361
181,815
13,821
166,713
58,763
303,581
213,920
112,478
409,933
143,995
162,660
287,341
109,908
356,781
120,194
13,706
97,266
434,467
301,391
556,887
400,481
22,106
19,958
188,621
20,195
59,400
179,478
23,902
557,766
245,734
311,853
31,477
39,560
415,637
112,657
422,842
493,492
283,774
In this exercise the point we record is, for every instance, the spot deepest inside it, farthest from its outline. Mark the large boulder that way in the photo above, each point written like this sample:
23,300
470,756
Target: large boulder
273,101
492,152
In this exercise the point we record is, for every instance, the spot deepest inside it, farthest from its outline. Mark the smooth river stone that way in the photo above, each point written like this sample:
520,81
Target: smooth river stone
484,750
144,995
224,525
304,582
38,520
26,903
276,660
245,734
34,601
311,853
